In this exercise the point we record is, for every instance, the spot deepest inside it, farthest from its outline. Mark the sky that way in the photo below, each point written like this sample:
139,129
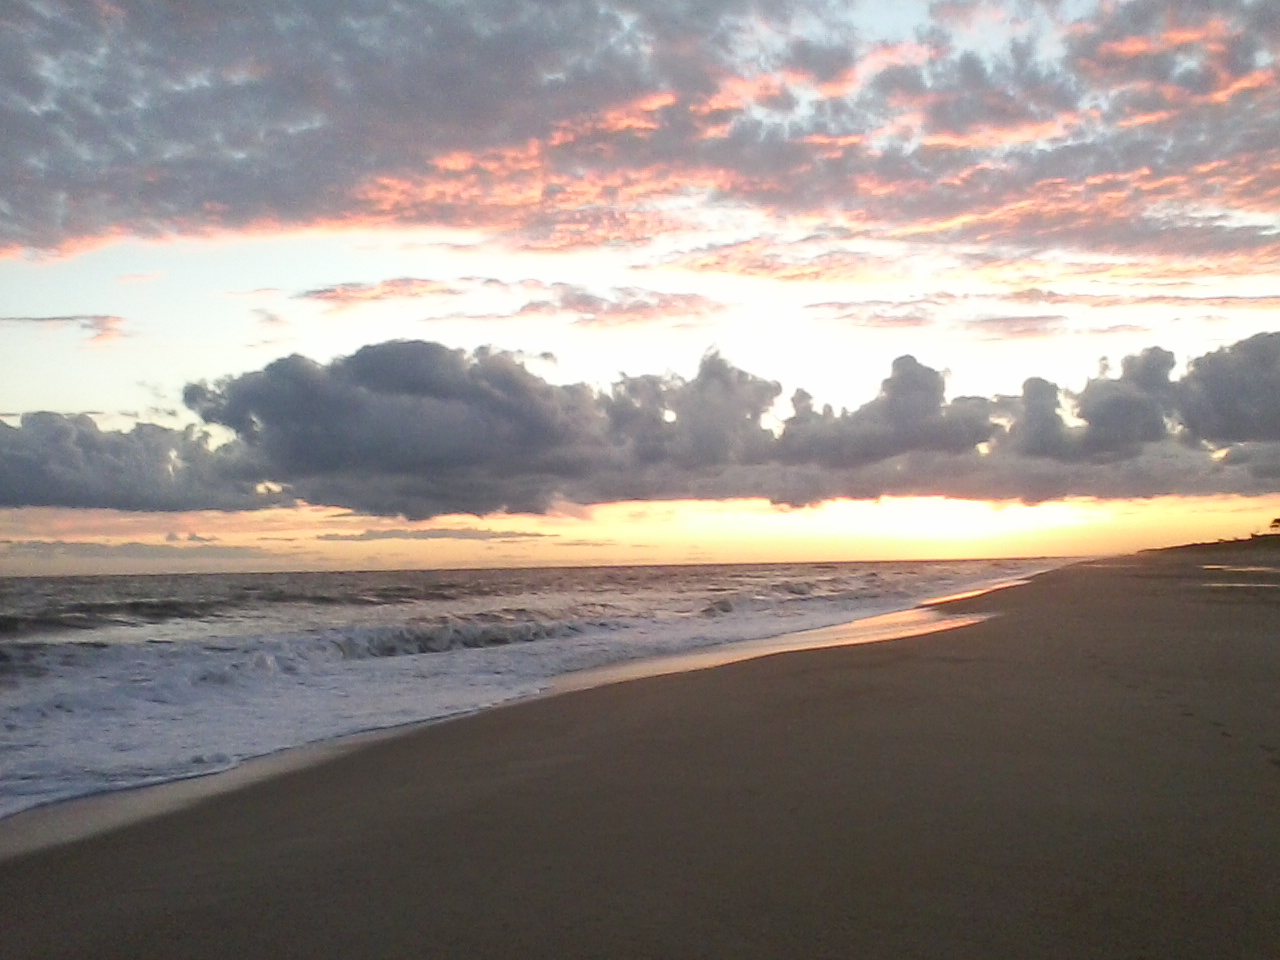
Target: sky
300,284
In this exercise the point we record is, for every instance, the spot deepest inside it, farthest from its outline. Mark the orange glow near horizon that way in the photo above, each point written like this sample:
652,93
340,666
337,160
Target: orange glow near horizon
45,541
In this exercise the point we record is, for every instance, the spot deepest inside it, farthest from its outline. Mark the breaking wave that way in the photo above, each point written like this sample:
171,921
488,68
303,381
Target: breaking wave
115,682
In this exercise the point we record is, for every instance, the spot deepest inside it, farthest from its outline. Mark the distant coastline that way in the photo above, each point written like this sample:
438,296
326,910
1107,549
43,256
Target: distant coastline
1255,543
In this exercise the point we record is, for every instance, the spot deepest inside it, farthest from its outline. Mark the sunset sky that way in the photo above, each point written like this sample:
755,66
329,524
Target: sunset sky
298,284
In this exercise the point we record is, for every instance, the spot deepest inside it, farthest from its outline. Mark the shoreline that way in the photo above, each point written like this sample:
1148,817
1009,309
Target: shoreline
61,764
67,820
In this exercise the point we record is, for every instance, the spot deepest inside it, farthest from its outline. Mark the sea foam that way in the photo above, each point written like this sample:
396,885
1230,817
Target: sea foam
108,683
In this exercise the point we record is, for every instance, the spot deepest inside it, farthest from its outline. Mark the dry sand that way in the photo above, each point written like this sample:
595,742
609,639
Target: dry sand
1093,773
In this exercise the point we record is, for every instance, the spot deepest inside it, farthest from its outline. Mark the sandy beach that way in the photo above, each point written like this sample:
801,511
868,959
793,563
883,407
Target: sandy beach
1094,772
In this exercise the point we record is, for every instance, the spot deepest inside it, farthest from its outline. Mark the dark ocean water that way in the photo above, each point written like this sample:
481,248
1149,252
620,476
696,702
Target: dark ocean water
115,681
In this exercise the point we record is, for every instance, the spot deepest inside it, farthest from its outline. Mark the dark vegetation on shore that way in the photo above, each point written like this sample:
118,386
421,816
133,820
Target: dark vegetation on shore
1256,544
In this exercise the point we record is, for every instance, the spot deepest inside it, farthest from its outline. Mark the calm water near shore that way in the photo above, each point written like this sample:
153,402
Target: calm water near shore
111,682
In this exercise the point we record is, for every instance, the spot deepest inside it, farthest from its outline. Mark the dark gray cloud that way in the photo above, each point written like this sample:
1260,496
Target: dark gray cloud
67,461
705,423
1233,394
1038,429
418,430
908,415
412,428
1146,126
174,537
1262,460
1120,415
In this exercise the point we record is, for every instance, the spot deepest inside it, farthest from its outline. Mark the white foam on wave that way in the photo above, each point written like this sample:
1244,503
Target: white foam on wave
80,718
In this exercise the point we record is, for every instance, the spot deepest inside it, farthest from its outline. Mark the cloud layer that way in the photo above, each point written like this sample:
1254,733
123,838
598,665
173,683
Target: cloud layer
415,429
65,461
102,326
1142,127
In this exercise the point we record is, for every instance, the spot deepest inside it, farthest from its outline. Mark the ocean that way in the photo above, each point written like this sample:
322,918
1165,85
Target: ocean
111,682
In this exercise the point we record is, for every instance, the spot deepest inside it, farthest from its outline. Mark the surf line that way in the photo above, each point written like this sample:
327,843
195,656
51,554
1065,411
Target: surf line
898,625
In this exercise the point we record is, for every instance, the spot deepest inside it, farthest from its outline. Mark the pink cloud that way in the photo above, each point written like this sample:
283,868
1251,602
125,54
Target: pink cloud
344,295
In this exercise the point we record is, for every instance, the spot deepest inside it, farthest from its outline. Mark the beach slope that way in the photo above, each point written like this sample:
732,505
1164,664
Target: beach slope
1093,772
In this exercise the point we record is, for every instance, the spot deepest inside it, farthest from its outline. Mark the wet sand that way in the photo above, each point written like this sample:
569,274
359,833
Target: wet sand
1094,772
